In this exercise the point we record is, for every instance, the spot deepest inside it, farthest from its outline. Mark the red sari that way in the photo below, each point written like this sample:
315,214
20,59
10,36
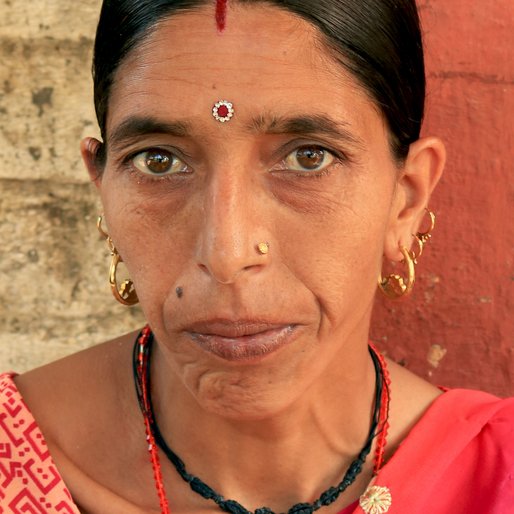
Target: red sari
458,459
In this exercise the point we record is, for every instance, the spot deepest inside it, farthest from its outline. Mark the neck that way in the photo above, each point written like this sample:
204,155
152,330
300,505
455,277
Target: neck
298,451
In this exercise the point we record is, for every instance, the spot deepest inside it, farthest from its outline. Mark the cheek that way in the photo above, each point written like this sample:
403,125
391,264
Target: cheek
150,230
338,255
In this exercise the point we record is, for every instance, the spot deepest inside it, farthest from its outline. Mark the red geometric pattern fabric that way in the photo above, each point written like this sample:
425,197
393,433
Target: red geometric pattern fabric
29,480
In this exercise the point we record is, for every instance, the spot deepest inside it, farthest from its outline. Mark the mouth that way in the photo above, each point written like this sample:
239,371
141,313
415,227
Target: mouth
241,340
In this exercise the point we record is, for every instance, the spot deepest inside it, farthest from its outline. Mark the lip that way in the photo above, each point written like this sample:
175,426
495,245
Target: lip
241,340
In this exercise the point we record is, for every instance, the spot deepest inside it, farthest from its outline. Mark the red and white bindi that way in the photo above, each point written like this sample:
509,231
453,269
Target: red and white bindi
223,111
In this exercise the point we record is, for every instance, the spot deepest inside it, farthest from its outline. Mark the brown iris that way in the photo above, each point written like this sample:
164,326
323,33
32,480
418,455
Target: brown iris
310,157
158,162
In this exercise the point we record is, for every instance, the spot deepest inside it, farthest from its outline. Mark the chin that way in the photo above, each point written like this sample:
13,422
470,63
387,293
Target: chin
242,396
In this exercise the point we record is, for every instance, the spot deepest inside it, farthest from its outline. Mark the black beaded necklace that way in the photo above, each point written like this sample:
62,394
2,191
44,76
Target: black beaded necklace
232,506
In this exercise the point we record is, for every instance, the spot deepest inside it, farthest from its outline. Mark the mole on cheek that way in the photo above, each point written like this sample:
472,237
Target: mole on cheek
180,292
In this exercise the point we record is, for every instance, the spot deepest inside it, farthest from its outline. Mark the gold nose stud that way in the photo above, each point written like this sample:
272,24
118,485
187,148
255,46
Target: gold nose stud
263,248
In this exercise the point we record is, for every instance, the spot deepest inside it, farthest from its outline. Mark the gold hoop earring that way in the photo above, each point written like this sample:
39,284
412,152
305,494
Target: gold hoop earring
415,256
395,286
124,293
427,234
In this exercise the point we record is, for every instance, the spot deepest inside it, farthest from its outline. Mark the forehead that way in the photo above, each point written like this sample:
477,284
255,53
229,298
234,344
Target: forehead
266,59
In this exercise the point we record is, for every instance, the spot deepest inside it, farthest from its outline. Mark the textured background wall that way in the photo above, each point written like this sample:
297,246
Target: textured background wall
54,297
456,328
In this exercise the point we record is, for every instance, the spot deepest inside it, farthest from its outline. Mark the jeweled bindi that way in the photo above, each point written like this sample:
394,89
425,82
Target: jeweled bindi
223,111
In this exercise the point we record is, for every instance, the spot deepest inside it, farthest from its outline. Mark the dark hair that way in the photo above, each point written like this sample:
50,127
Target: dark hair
378,41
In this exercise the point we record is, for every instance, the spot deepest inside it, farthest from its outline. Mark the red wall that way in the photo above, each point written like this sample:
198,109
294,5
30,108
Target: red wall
463,298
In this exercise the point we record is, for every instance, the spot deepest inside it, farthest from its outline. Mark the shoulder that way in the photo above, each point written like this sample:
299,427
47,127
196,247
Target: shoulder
63,397
464,421
483,414
481,425
458,420
52,427
66,395
462,451
81,405
458,457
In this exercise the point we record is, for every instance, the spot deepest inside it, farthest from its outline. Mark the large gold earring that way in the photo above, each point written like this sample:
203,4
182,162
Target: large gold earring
395,286
124,293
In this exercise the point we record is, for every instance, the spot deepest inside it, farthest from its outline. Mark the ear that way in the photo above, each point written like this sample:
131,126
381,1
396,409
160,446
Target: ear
92,152
420,174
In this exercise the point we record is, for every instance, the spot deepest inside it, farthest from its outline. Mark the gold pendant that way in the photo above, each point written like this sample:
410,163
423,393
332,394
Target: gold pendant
376,500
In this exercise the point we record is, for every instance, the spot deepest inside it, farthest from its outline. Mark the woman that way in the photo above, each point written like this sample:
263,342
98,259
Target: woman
260,161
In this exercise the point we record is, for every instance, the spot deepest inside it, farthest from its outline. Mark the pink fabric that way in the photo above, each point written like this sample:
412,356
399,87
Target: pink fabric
29,480
458,459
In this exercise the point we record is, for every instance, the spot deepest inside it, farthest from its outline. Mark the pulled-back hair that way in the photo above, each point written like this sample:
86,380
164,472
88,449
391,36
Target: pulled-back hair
378,41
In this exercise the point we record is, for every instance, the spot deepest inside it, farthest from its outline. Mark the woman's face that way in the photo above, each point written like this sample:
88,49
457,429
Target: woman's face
304,165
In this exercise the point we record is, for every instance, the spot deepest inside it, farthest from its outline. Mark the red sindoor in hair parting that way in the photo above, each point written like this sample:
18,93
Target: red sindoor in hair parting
221,14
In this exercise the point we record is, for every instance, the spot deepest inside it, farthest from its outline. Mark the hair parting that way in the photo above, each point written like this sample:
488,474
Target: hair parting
221,14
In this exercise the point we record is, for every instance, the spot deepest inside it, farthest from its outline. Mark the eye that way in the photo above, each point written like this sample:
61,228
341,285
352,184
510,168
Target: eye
309,158
158,162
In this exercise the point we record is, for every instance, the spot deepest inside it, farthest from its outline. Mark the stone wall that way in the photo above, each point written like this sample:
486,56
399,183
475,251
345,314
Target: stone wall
457,328
54,296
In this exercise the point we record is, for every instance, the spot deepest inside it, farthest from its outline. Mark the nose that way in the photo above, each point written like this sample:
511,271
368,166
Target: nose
232,241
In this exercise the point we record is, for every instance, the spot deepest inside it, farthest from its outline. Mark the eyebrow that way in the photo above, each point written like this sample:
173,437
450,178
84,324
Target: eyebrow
138,126
315,124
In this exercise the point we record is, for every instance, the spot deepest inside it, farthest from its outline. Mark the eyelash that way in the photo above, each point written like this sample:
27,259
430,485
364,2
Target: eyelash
128,164
339,158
